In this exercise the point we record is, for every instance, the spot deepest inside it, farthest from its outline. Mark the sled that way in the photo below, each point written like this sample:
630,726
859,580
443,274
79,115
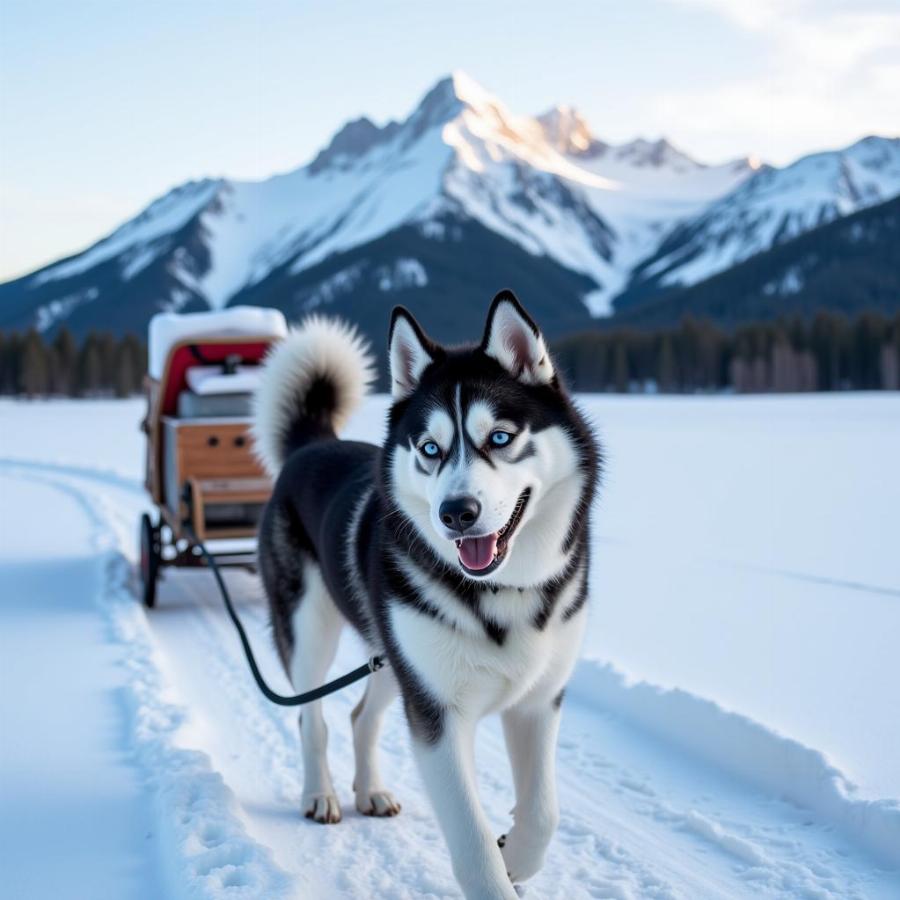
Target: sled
201,473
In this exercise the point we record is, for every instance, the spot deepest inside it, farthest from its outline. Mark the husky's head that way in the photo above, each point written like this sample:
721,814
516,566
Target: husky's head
486,457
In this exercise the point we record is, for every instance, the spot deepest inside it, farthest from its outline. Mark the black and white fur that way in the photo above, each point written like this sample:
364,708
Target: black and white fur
374,536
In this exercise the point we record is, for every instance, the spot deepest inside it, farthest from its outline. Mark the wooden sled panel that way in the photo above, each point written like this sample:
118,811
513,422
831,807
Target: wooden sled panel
228,485
211,498
215,450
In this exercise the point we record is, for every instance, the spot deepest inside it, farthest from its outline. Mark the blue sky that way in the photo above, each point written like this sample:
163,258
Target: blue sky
104,105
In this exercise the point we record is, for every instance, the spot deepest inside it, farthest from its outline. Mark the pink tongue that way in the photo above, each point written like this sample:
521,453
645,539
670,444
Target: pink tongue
477,553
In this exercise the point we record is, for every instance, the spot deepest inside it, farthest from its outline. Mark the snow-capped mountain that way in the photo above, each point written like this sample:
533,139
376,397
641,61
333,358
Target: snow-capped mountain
849,266
772,207
436,211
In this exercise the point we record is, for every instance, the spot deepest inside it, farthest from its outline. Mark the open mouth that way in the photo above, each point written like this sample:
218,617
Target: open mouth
481,555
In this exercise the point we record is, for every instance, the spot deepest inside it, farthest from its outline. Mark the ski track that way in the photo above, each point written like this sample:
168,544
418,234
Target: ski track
639,818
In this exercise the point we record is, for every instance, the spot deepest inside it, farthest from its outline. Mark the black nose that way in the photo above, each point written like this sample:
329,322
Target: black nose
460,513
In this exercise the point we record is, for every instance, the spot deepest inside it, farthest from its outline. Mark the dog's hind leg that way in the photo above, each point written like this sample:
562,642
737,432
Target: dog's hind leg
317,625
371,797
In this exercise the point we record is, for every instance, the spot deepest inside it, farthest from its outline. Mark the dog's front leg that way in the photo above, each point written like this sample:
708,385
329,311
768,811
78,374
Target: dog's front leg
447,767
531,733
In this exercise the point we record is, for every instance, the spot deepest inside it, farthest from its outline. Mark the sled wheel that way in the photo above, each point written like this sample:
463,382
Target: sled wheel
150,555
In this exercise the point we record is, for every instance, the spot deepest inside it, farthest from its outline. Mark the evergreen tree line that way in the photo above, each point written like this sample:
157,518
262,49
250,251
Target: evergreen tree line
102,365
826,353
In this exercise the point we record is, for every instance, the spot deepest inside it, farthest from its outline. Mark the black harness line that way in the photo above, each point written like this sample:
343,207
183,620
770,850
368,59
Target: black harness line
373,665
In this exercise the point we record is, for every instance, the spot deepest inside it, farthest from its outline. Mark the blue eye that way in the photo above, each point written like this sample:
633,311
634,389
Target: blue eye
430,449
500,438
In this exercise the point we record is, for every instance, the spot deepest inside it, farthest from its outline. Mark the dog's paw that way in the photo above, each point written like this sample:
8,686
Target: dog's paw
323,808
377,803
523,857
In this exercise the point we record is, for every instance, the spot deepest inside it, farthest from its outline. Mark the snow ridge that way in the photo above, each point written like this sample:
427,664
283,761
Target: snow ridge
162,217
774,206
746,749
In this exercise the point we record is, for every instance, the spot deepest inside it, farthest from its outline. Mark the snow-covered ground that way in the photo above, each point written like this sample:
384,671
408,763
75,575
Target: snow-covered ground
732,731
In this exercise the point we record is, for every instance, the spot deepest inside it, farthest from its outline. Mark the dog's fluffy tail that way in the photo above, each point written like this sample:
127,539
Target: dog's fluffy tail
312,381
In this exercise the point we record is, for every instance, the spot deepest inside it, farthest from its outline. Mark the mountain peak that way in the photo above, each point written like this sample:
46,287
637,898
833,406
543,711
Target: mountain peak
448,98
469,91
568,132
656,154
460,86
454,94
355,139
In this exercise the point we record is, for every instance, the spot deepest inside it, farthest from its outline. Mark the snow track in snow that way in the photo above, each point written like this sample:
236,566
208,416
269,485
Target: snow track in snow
640,817
206,851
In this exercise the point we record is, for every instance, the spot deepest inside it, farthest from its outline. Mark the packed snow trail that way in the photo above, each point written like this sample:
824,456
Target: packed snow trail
76,819
639,818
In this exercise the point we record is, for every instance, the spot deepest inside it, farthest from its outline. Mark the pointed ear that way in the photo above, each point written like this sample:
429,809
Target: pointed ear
512,338
410,352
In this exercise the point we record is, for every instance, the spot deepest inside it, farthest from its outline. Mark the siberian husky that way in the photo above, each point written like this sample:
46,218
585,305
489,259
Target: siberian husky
459,549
